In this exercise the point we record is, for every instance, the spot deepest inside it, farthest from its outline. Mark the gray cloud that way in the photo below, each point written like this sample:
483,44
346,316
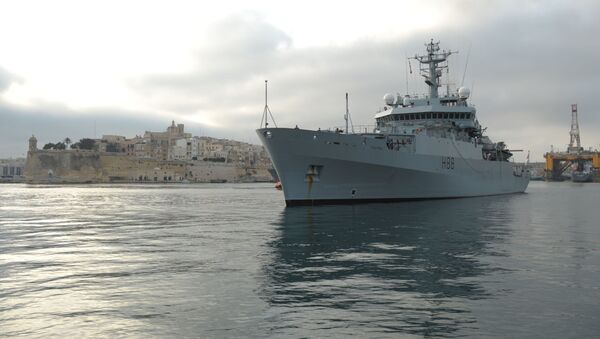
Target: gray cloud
528,62
53,123
7,79
527,65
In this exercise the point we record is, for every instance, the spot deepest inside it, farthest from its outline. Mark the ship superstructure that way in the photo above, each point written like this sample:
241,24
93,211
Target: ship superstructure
421,148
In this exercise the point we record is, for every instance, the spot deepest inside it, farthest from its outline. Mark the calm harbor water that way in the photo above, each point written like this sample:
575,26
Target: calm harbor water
231,261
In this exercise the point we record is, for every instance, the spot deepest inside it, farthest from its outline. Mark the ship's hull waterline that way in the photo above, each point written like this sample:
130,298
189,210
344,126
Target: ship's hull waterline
322,167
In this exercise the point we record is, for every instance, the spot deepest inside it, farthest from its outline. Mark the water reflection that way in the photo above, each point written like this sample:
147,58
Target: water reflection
385,268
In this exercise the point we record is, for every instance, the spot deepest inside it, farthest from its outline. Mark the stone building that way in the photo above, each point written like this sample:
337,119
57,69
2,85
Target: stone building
170,156
161,142
12,169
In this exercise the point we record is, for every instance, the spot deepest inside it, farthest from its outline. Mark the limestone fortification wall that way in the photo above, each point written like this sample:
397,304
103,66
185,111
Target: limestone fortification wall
62,166
80,166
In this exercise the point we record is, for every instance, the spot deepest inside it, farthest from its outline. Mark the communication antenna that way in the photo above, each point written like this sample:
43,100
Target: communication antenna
266,112
447,82
466,65
406,72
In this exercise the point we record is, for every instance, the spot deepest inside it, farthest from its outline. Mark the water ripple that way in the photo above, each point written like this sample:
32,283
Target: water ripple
231,261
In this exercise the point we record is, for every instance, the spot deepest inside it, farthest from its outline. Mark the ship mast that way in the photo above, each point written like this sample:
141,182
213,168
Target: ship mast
432,65
266,112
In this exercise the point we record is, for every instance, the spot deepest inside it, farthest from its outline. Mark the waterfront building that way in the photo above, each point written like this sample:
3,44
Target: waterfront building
11,169
169,156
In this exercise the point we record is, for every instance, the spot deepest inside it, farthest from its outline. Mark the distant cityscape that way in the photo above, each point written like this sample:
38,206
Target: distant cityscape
172,144
169,156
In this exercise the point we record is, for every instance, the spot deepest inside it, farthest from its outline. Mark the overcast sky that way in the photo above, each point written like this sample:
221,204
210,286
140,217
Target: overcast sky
82,69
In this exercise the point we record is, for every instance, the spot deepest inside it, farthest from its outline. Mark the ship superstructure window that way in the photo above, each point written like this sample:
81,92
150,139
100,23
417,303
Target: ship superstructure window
424,116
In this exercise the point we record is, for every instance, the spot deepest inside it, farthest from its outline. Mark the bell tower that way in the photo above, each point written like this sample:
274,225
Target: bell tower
32,144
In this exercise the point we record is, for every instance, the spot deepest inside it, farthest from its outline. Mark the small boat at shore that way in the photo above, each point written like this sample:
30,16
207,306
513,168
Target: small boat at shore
582,176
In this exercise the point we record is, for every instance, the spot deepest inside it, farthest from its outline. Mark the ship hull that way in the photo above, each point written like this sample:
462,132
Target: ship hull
580,176
318,167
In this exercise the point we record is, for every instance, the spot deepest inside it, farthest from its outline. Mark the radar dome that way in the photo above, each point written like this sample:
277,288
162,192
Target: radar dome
389,99
464,93
406,101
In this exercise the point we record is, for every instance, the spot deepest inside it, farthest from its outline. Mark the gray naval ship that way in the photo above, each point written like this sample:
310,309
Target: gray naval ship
422,147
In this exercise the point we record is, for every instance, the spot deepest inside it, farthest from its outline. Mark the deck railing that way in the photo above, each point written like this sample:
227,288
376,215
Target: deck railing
356,129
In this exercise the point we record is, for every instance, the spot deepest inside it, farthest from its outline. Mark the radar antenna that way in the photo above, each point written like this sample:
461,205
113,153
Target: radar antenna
432,64
266,112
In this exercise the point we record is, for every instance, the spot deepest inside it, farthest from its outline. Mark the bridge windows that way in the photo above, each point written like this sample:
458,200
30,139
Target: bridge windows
424,116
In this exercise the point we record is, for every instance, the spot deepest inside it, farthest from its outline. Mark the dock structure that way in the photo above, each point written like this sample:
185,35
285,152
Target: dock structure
575,157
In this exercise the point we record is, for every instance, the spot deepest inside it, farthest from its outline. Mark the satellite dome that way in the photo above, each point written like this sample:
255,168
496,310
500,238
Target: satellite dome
463,93
406,101
389,99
